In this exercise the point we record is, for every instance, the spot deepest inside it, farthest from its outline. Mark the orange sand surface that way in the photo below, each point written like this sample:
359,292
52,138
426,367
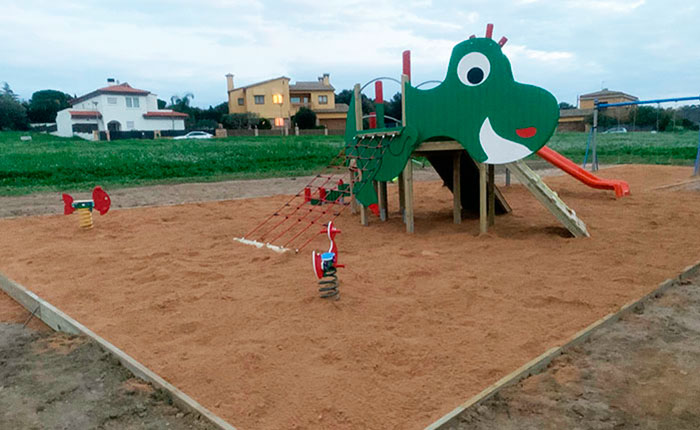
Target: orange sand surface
424,321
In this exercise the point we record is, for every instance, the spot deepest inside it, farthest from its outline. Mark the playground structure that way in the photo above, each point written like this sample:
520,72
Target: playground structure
598,107
100,201
474,119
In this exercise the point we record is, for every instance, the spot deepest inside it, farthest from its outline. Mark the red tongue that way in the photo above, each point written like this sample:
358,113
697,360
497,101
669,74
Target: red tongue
526,132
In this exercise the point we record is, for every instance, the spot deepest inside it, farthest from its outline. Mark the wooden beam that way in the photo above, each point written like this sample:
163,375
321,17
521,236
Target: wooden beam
383,202
402,198
59,321
408,170
483,218
408,198
548,198
364,216
447,145
541,363
457,187
492,194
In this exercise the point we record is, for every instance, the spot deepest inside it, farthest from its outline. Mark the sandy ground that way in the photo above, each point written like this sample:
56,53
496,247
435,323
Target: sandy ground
425,321
640,373
56,381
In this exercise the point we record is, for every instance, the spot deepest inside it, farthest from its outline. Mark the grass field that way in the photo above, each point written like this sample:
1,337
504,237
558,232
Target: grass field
49,163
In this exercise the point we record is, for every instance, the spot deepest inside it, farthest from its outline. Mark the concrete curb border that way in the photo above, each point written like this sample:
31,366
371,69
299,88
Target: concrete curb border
59,321
540,363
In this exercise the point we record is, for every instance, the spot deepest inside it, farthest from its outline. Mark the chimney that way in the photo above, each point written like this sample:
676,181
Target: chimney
326,79
229,82
111,81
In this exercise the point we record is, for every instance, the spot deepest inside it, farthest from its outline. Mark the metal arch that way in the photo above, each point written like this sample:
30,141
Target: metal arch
428,82
379,79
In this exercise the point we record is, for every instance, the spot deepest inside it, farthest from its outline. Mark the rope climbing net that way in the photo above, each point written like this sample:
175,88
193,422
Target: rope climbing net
321,200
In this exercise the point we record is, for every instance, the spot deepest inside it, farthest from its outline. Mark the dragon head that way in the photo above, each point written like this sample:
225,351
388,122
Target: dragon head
479,104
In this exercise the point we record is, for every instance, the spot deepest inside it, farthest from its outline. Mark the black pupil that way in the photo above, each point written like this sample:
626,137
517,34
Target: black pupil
475,75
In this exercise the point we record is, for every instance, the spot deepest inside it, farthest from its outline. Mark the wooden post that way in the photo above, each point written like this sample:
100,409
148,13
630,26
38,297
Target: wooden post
492,194
594,152
507,177
457,187
364,218
408,170
483,219
402,198
383,202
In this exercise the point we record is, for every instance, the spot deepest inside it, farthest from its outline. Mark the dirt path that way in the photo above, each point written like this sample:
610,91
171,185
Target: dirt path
56,381
173,194
640,373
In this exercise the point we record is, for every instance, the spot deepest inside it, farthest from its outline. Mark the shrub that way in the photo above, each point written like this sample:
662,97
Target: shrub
305,118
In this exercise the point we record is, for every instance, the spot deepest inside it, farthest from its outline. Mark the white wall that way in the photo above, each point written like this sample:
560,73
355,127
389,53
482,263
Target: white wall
119,112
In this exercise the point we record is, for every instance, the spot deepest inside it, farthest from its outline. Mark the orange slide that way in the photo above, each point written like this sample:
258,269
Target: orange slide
621,188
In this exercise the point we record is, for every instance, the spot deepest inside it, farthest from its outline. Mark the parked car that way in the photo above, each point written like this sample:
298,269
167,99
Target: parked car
194,135
615,130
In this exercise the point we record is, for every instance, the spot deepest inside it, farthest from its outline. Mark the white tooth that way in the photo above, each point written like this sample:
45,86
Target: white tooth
499,150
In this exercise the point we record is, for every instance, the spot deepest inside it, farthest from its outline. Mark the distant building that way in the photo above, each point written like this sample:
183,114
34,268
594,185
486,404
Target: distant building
277,98
603,96
116,107
575,119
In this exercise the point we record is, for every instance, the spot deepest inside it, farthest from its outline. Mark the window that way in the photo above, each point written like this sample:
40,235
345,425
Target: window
130,125
323,100
132,102
295,99
241,101
259,100
111,100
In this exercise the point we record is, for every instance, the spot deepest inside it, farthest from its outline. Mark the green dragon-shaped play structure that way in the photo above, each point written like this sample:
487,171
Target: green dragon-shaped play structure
478,104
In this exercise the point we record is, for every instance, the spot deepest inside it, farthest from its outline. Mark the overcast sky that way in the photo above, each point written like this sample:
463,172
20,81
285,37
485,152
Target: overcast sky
649,48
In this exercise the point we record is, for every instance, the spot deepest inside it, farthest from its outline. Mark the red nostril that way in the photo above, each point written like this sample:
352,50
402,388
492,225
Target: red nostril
526,132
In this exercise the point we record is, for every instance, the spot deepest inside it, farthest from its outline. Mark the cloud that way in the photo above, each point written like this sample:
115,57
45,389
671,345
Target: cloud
606,6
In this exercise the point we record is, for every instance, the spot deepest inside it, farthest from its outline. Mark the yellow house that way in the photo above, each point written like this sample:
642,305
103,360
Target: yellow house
276,98
604,96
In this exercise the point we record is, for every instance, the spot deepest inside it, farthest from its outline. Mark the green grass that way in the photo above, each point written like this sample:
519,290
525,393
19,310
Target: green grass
49,163
625,148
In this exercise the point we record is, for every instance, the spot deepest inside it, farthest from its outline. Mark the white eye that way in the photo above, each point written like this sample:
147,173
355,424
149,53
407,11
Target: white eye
473,69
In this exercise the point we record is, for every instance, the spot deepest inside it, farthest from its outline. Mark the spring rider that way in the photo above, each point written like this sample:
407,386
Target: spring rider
100,201
326,266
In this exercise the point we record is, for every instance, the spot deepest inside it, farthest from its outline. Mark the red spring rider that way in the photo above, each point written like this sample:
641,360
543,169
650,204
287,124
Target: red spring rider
100,201
326,265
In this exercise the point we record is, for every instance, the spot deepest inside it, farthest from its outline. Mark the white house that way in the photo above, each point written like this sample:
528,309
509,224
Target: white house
117,107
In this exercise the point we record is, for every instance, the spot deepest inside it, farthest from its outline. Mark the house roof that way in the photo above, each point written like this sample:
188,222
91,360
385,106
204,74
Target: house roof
84,114
339,108
605,93
124,88
260,83
165,114
311,86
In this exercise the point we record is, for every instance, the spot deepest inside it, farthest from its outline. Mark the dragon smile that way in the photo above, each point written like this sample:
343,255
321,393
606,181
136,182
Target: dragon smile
526,133
499,150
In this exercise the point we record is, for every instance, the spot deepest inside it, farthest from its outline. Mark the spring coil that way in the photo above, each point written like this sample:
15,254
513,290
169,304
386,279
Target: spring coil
329,284
85,218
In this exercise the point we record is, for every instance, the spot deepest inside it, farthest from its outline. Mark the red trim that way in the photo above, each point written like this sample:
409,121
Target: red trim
407,64
84,114
165,114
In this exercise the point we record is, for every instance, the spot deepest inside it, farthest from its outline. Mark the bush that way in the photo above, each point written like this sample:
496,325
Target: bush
264,124
305,118
238,121
205,124
13,116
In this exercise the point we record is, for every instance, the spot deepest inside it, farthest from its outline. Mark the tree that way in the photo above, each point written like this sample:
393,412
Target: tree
392,107
238,121
346,96
565,105
305,118
162,104
13,116
45,104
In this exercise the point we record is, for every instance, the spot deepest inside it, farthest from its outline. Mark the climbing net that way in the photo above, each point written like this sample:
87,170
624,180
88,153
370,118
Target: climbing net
320,201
